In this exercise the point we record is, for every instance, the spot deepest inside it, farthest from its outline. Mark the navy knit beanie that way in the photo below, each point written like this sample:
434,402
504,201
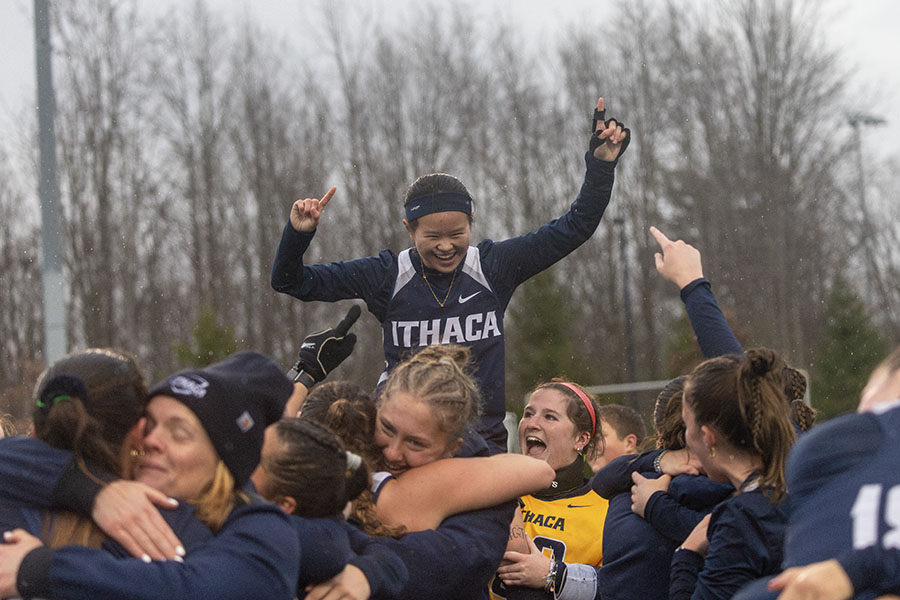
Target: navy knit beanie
235,400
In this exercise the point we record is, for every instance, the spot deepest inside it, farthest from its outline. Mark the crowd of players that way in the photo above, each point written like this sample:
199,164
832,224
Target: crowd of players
236,481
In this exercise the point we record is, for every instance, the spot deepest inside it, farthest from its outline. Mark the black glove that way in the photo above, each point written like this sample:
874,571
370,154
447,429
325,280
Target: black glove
600,116
322,352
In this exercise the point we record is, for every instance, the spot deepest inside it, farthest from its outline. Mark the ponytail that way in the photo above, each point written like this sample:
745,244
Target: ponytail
61,419
744,398
765,405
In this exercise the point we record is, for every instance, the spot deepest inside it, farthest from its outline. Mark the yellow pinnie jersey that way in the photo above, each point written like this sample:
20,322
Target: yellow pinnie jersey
566,529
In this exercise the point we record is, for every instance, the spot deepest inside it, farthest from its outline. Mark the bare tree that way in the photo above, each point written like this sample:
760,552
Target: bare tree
101,164
281,143
21,335
197,109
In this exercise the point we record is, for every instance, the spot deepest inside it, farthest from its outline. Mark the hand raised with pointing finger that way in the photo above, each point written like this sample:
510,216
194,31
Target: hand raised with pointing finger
305,214
609,137
679,261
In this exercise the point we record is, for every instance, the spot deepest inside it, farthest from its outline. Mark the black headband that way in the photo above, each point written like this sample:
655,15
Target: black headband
441,202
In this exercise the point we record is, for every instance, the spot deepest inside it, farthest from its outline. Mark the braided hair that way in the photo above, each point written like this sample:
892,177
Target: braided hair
439,375
347,410
744,398
311,466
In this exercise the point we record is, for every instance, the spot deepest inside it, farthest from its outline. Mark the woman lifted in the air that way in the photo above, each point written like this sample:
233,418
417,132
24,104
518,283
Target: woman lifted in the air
442,290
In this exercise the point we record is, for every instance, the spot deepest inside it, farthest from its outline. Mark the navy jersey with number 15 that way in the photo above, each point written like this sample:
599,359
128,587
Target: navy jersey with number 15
844,478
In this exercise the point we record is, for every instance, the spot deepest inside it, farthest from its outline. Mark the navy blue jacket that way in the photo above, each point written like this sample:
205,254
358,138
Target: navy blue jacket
456,560
256,553
636,551
844,482
714,334
395,292
190,530
746,537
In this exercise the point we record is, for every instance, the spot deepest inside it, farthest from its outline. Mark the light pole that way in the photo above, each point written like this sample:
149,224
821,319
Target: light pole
857,122
52,273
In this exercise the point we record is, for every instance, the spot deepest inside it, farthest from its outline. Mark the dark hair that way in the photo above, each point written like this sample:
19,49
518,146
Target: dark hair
578,412
116,393
311,466
670,427
624,420
348,411
667,419
434,183
440,376
744,399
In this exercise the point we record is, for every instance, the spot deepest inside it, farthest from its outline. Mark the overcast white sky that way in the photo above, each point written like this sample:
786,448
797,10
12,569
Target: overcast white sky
866,30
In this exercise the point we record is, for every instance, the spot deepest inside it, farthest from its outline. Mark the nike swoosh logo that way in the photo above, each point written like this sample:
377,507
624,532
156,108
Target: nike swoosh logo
464,299
579,505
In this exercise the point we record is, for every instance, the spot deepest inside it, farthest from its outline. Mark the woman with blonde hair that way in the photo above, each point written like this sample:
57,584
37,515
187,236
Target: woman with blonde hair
412,435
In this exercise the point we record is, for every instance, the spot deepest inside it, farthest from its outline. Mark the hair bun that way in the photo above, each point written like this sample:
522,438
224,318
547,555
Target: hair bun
62,388
760,361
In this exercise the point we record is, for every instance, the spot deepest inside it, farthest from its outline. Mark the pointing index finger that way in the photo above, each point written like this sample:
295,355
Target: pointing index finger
327,197
600,104
660,237
345,325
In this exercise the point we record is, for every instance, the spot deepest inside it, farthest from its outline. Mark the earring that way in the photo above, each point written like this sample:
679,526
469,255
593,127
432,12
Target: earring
712,452
135,453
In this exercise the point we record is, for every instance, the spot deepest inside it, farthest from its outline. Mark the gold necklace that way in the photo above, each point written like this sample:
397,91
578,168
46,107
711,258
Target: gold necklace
452,279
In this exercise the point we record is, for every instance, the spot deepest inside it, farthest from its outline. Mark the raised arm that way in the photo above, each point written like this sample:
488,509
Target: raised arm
680,263
519,258
320,354
423,497
357,278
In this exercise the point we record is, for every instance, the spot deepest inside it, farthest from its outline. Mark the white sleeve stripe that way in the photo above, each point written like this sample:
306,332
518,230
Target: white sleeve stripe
472,268
405,271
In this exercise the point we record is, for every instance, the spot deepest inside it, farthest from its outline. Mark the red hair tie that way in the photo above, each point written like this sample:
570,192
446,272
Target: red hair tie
587,403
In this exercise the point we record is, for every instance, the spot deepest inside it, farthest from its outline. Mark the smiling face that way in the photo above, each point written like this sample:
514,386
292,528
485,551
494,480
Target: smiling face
547,432
409,435
441,239
179,458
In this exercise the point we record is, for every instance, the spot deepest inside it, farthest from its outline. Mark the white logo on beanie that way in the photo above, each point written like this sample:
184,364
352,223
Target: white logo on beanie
245,422
189,385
